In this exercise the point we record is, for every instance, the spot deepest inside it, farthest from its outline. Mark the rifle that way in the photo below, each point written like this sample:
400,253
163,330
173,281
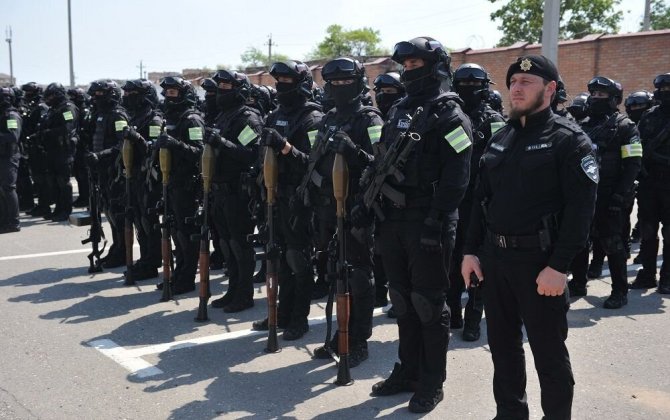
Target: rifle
311,175
165,158
95,233
203,262
392,164
341,191
128,155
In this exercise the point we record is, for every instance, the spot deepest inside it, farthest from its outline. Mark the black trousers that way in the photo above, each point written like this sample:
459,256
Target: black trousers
654,210
145,196
183,204
418,286
9,201
474,308
512,302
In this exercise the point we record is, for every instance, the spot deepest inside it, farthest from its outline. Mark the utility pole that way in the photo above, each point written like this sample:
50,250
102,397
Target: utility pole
69,31
552,10
8,34
646,23
141,68
270,44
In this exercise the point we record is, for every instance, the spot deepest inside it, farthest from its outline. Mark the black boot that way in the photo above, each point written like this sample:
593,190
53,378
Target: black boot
616,301
396,383
426,400
643,280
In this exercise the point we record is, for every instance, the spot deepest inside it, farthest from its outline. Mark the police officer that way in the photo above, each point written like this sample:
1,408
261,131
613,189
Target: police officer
237,128
10,133
388,89
532,212
620,155
578,107
349,129
209,107
289,132
81,100
24,185
471,83
110,118
654,189
496,102
59,134
183,136
637,103
560,98
33,147
141,100
417,237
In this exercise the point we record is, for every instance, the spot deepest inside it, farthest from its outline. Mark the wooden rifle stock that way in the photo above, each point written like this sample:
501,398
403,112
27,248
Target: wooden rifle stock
128,155
165,158
207,165
270,175
341,191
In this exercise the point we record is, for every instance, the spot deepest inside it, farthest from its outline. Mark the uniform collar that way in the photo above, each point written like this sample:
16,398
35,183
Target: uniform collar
534,120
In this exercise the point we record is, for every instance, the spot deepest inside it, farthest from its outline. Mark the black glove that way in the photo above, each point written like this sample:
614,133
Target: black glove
431,236
272,138
168,142
131,134
360,216
91,159
214,139
341,143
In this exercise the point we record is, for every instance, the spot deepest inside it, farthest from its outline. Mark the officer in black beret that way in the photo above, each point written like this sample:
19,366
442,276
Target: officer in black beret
531,214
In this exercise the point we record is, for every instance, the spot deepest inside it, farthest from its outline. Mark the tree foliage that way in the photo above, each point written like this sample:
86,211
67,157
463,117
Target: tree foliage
660,15
354,43
521,20
254,57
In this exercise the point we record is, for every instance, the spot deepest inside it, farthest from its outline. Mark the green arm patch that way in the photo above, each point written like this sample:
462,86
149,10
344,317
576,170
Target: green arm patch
312,137
154,131
12,124
458,139
495,126
195,133
631,150
374,132
247,135
118,125
67,115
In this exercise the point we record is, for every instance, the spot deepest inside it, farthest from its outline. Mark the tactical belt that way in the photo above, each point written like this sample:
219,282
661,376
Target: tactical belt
513,242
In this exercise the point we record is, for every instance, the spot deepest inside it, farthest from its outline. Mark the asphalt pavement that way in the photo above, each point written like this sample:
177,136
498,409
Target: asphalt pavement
82,346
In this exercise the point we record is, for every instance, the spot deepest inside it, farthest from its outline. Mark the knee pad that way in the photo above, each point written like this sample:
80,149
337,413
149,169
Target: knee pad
648,231
399,302
361,283
429,309
297,260
612,244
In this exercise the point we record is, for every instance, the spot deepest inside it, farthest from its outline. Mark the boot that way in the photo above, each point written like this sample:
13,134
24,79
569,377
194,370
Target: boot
595,269
616,301
664,286
358,352
643,280
425,401
396,383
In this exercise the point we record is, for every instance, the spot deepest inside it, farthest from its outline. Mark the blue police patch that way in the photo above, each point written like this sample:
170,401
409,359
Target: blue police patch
590,168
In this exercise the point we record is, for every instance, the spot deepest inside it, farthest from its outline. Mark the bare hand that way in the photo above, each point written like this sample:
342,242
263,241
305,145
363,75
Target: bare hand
470,265
551,282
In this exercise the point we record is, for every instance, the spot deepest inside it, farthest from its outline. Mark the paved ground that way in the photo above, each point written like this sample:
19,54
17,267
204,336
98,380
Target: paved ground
81,346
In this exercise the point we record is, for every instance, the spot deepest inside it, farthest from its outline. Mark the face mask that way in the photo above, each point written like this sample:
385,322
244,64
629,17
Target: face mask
287,94
133,102
386,100
663,97
635,114
226,99
418,80
471,96
578,113
210,104
599,106
344,95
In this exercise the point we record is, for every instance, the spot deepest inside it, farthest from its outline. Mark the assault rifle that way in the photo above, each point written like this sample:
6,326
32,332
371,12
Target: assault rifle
95,233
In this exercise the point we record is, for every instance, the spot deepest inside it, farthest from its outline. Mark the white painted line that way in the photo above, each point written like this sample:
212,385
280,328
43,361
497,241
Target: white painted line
50,254
135,365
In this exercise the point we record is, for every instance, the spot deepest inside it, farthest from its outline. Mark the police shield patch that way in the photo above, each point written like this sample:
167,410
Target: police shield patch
590,168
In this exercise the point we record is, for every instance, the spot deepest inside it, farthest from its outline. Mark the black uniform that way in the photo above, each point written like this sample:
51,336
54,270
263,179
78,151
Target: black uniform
241,126
654,196
619,155
37,159
83,146
10,133
59,138
532,208
298,124
485,122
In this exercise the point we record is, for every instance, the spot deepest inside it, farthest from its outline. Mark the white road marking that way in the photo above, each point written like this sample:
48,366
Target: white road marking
132,360
50,254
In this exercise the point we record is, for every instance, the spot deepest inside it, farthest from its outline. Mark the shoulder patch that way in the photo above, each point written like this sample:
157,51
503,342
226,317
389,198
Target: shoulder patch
590,168
631,150
118,125
154,131
67,115
312,136
496,125
458,139
195,133
247,135
374,132
12,124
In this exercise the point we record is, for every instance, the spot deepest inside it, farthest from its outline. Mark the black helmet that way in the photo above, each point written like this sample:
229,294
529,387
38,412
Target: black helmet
145,91
32,89
471,71
299,72
240,81
561,94
579,105
18,96
105,92
641,97
495,100
472,95
54,94
662,80
429,50
344,68
259,98
208,85
391,79
6,97
600,83
187,95
662,96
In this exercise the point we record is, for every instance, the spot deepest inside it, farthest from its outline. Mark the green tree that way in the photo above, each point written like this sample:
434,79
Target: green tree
521,20
660,15
254,57
355,43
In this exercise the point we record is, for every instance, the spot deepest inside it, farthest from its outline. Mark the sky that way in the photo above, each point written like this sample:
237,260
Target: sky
111,37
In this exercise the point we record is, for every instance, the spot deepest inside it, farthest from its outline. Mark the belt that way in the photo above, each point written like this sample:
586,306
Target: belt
513,242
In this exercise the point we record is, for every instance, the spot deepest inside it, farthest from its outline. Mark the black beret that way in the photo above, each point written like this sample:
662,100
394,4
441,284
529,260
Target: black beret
538,65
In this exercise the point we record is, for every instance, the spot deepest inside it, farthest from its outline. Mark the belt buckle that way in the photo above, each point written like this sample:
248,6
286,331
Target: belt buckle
502,242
